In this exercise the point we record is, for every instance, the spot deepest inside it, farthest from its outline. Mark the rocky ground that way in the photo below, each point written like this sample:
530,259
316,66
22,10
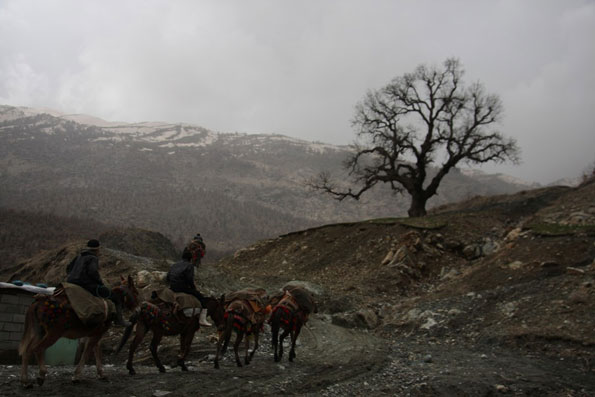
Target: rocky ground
488,297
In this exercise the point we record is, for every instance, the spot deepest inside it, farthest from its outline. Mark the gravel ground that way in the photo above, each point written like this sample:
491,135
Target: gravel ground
331,361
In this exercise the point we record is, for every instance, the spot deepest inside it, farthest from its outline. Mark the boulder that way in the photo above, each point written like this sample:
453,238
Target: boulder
367,318
363,318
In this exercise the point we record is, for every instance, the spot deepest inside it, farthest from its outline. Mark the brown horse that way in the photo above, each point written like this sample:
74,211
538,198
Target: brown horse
240,317
286,315
163,320
49,318
291,309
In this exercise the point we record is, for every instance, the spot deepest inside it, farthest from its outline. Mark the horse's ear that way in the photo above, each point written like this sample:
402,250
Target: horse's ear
222,299
122,279
130,281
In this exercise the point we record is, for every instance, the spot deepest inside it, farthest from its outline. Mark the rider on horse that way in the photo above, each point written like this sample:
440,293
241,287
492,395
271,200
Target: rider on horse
181,279
198,249
84,271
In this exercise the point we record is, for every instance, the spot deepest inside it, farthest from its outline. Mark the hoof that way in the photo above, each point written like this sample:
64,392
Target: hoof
162,370
40,381
27,385
103,378
216,365
131,372
182,365
75,381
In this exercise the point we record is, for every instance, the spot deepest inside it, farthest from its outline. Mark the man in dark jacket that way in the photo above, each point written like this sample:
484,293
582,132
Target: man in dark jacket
84,271
181,279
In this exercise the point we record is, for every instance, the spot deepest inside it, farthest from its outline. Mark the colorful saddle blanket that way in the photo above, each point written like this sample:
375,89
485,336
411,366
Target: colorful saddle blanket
254,300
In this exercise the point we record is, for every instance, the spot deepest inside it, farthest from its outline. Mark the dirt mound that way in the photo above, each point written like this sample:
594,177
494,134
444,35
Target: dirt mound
49,267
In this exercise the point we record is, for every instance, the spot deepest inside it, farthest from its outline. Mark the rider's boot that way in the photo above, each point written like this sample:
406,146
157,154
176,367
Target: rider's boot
202,319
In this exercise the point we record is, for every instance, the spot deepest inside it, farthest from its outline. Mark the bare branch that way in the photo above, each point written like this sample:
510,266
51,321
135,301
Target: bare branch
414,117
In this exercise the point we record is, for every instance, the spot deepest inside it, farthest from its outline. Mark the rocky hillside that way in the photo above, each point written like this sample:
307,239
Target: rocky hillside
517,270
180,179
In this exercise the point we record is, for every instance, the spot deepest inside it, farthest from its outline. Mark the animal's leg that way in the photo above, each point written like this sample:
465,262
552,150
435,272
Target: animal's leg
227,333
26,355
98,359
275,339
153,347
218,351
223,340
84,357
236,347
24,368
256,334
39,349
247,354
281,338
25,351
294,336
42,368
141,330
185,344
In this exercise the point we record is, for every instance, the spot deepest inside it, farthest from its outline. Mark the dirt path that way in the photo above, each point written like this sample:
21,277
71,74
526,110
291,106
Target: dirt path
331,361
326,355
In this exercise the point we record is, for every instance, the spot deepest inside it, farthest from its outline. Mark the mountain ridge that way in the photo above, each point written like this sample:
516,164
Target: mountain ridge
179,179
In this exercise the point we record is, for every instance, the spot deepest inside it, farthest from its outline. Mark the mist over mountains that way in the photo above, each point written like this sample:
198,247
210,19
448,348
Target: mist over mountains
180,179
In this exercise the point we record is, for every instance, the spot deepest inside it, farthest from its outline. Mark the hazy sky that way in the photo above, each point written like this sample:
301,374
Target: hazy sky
298,68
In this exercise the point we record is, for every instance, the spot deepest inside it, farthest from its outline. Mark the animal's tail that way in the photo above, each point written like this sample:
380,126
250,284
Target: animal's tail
275,322
133,320
32,329
227,332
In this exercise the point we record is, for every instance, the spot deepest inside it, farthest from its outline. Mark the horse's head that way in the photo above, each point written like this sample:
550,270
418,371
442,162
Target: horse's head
128,291
216,309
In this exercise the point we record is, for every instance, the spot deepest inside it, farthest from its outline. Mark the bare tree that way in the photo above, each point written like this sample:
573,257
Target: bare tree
416,120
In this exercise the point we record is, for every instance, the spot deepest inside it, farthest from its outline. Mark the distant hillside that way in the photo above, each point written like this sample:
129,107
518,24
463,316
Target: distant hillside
181,179
25,233
49,266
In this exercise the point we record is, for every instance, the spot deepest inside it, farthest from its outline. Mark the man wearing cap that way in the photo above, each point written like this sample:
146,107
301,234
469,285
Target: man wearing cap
84,271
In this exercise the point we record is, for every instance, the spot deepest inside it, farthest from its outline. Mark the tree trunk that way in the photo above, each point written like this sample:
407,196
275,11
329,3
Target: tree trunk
418,206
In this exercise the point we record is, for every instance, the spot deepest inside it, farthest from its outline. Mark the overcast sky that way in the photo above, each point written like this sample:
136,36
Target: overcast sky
298,68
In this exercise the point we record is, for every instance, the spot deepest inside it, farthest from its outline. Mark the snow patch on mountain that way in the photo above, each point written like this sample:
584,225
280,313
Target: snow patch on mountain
168,135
